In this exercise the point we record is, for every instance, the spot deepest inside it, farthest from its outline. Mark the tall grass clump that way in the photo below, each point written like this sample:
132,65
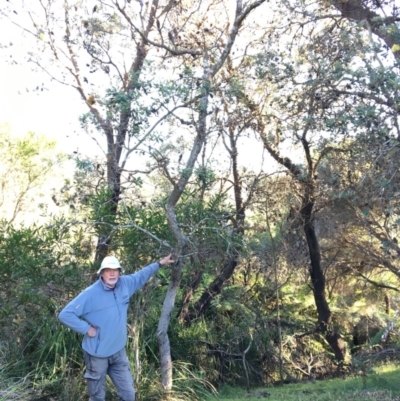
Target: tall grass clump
41,270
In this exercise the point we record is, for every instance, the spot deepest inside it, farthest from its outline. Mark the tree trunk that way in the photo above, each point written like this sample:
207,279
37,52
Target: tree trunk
318,282
181,240
317,275
163,324
104,239
183,312
203,303
115,135
209,72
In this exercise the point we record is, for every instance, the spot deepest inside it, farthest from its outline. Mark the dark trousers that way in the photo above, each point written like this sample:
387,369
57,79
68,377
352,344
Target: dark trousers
117,367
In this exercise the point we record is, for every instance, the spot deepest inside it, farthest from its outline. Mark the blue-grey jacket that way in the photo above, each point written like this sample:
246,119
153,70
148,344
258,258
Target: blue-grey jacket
105,309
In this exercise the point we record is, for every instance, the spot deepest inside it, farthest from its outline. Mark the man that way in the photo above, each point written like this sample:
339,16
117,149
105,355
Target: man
100,313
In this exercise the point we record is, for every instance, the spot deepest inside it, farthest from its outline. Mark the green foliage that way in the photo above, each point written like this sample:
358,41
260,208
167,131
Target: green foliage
27,162
102,207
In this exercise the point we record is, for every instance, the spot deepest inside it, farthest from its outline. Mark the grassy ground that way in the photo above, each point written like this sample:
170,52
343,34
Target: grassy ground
383,384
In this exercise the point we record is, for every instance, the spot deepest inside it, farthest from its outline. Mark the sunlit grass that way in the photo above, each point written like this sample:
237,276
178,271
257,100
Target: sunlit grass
383,384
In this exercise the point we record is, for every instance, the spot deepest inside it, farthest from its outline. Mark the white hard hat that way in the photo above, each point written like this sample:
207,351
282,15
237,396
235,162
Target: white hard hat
110,262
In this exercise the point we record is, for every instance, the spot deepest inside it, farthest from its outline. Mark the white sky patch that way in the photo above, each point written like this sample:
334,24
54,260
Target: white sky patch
30,101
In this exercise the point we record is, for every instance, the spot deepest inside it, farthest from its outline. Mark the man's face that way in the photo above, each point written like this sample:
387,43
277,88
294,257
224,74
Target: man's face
110,276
